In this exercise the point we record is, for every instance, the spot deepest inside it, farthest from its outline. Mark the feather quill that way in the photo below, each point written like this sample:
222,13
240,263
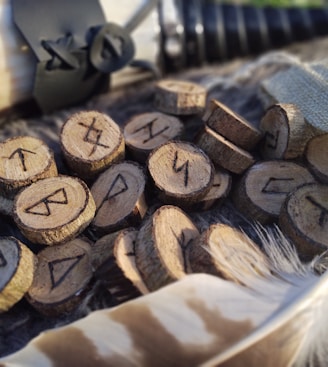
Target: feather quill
273,317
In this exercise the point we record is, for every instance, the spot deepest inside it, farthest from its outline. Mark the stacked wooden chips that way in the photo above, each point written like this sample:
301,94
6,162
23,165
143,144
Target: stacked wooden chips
95,224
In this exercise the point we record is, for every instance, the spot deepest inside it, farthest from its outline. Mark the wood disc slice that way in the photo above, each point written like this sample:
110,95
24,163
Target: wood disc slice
264,187
17,266
316,155
232,126
24,160
119,197
180,97
147,131
61,278
54,210
304,219
91,141
162,244
181,172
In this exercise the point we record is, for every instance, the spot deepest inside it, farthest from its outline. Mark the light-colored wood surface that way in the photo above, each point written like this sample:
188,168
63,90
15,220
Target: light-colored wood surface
91,141
54,210
316,155
161,246
17,267
264,187
182,173
119,196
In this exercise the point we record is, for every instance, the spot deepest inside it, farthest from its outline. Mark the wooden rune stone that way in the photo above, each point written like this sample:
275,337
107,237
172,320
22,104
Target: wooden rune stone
119,196
304,219
264,187
182,173
285,132
17,266
224,153
54,210
222,248
316,155
24,160
119,271
147,131
179,97
61,278
161,246
91,141
232,126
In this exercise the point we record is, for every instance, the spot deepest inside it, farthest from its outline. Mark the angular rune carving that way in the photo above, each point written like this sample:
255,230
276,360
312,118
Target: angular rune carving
93,136
20,153
268,189
324,211
58,272
150,126
183,244
273,138
184,166
42,207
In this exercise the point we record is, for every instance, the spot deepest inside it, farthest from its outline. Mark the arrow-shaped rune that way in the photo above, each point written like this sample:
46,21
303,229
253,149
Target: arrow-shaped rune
20,153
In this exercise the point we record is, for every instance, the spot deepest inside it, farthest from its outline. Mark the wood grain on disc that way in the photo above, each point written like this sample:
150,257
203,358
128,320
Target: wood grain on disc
119,196
181,172
316,155
161,246
54,210
17,266
61,278
304,219
264,187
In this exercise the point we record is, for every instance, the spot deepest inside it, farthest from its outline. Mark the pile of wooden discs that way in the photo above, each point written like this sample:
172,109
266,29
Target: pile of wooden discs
95,222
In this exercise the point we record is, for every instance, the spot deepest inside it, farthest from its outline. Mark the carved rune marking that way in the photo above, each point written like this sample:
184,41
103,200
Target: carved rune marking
93,136
42,207
118,186
60,268
20,153
3,261
324,211
184,166
133,252
273,138
273,190
183,244
149,126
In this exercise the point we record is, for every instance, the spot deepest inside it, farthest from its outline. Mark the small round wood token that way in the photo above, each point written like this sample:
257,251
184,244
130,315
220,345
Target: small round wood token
24,160
316,154
223,152
119,271
222,248
61,278
180,97
219,191
17,266
232,126
91,141
181,172
54,210
119,196
162,244
285,132
304,219
264,187
147,131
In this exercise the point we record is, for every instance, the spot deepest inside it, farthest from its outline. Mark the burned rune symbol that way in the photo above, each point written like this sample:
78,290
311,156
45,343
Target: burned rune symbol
184,166
184,244
59,269
3,261
42,207
118,186
324,211
20,153
271,188
273,138
150,126
93,136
